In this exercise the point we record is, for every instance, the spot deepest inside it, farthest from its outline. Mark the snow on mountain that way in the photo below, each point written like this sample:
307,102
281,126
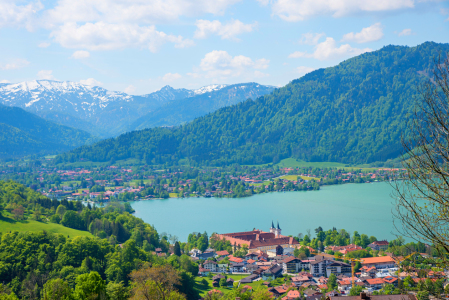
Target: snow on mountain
209,88
70,103
71,97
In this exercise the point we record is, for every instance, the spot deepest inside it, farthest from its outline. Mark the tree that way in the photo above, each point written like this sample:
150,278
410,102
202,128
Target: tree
177,249
72,220
57,289
332,283
261,294
61,210
422,295
117,291
154,282
90,286
18,212
355,291
223,282
422,198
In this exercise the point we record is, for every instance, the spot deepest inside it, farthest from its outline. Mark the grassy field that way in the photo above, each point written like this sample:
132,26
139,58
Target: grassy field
7,224
173,195
202,289
290,177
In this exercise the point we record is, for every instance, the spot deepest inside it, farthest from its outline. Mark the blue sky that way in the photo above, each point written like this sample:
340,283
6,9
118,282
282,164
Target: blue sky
138,46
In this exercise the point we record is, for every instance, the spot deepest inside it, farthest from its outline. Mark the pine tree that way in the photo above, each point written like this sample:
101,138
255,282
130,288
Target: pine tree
177,249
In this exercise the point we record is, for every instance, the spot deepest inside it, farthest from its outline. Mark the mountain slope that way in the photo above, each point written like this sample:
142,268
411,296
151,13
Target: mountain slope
354,112
23,133
184,110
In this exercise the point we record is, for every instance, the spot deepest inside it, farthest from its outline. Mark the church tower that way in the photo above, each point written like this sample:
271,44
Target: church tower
272,229
277,231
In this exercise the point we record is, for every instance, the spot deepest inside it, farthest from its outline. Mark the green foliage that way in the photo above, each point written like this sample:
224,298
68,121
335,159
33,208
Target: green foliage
355,291
332,283
90,286
57,289
354,112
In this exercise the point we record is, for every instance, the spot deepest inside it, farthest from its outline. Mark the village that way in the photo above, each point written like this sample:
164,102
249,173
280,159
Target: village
102,184
271,259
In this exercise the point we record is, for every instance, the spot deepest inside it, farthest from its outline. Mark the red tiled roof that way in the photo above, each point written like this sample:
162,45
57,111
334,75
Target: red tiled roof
375,281
377,260
222,253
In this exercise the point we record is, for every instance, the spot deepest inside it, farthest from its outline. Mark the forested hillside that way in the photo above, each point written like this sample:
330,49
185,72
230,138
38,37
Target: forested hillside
354,112
24,133
33,265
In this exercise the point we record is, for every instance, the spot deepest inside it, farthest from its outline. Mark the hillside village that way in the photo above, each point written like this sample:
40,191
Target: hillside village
102,184
275,261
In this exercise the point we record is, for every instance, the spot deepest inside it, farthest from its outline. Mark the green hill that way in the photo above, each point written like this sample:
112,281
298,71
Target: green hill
23,133
354,112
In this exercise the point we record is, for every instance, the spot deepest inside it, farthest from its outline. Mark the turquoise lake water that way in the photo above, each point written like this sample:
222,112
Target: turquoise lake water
366,208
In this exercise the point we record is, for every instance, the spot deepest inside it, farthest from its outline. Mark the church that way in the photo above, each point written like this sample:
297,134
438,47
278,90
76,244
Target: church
260,240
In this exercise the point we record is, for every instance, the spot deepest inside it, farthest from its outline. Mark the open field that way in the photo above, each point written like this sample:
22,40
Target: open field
202,289
8,224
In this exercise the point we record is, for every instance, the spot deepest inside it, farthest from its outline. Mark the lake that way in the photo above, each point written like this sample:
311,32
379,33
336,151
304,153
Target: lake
363,207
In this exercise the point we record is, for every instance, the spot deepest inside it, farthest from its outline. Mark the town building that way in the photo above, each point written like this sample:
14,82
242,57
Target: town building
258,240
379,245
380,262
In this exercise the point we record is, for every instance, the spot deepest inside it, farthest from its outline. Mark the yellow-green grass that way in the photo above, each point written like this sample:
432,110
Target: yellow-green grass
136,182
309,178
173,195
7,225
203,290
294,163
290,177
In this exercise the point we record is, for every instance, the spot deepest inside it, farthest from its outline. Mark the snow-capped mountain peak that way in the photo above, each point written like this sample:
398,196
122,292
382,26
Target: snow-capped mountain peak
209,88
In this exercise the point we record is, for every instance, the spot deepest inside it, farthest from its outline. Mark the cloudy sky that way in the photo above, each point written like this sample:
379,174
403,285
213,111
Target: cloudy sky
138,46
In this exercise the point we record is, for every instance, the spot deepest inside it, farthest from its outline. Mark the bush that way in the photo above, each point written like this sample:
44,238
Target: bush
55,219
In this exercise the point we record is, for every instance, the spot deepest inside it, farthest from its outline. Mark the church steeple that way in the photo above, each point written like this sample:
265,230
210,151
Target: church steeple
278,226
272,224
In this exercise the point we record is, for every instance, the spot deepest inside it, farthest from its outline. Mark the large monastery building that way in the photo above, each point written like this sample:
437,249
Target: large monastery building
260,240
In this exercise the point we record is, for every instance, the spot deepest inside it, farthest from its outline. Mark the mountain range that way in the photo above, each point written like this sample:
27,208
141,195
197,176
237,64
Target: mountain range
23,133
355,112
91,108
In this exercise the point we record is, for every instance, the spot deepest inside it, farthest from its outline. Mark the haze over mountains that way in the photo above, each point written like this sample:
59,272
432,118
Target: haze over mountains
354,112
106,113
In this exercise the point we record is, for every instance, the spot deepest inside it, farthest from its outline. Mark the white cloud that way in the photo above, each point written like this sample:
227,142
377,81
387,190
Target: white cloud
45,74
91,82
299,10
105,36
221,63
171,77
13,15
304,70
15,64
405,32
44,45
329,50
5,81
311,38
80,54
134,11
130,89
368,34
227,31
